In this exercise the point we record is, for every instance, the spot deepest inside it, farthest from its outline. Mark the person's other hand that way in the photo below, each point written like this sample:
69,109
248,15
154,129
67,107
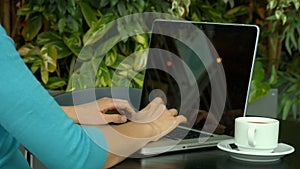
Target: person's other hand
161,120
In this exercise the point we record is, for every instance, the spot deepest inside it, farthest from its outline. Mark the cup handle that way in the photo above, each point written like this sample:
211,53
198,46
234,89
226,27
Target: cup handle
251,133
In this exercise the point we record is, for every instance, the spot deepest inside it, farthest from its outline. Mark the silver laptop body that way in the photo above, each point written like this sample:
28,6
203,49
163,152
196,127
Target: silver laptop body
204,71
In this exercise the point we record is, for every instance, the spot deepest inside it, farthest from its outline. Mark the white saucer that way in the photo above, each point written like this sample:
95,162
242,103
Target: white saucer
280,151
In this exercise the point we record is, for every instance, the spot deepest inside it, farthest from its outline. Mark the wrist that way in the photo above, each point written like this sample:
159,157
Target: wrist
137,130
71,113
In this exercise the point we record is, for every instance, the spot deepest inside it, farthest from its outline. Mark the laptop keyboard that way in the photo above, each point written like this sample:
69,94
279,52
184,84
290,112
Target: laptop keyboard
180,133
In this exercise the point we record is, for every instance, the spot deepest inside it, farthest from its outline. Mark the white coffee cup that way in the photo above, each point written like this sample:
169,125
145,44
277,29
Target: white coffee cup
256,134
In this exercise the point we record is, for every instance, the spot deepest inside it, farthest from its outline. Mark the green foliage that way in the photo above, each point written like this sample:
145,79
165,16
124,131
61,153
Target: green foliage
56,31
51,33
259,85
58,48
289,86
285,21
286,14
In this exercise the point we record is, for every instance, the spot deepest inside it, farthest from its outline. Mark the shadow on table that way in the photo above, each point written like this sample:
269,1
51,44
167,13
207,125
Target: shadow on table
207,159
230,163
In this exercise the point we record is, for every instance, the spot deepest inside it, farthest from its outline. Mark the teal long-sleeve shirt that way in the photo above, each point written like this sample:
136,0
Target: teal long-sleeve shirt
31,117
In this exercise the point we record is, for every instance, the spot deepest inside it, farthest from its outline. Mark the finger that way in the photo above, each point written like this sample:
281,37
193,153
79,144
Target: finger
153,104
123,105
152,112
146,108
114,118
157,111
181,119
156,104
158,100
173,112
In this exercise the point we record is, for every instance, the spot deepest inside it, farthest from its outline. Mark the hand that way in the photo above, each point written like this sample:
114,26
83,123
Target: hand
94,113
150,124
161,120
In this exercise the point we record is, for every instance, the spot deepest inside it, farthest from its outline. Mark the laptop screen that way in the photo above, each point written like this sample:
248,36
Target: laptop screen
194,66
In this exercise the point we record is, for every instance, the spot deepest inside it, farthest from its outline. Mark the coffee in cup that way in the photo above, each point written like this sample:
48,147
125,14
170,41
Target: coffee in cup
256,134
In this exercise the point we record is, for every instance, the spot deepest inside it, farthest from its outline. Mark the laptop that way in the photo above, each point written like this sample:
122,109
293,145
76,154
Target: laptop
203,70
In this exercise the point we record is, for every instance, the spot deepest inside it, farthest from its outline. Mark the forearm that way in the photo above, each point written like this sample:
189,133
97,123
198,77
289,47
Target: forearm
123,140
70,112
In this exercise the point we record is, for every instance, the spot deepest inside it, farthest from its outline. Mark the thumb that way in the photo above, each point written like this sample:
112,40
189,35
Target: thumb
181,119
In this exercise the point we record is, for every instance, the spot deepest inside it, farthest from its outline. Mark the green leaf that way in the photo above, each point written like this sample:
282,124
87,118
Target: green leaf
35,66
87,68
51,38
44,75
258,73
32,27
119,59
231,12
62,50
106,45
124,48
32,59
296,3
96,63
215,14
293,37
86,81
73,25
25,10
292,88
71,7
73,43
139,5
139,79
258,89
120,79
113,2
122,8
62,7
99,29
286,109
55,83
125,64
62,23
73,83
90,15
104,76
142,39
272,4
111,57
72,3
273,78
86,53
29,50
49,56
298,44
195,17
47,37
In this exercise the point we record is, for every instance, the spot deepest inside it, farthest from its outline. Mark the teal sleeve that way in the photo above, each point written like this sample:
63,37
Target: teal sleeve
31,117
